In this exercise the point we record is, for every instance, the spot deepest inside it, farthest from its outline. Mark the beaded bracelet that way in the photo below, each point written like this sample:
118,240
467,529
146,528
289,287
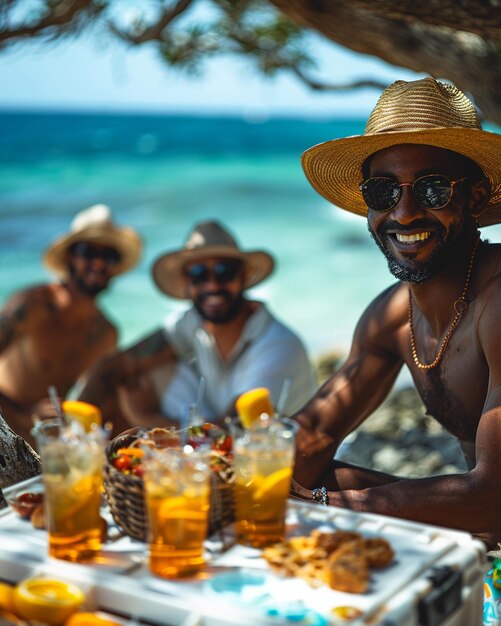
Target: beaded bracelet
320,495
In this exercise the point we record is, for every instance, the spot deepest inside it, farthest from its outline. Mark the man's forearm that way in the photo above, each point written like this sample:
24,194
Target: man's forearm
151,352
455,501
102,380
125,367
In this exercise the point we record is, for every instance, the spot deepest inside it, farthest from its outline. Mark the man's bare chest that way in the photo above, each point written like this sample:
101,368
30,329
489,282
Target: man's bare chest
68,339
454,391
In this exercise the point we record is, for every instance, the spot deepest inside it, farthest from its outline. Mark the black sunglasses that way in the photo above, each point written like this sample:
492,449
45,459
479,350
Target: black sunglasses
433,191
222,272
90,252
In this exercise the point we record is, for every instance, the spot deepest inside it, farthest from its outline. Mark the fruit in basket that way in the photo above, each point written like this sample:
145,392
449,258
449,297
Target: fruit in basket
47,600
252,404
129,460
211,434
89,619
157,438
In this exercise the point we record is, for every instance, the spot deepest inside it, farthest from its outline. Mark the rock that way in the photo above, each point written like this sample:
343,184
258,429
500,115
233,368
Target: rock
388,459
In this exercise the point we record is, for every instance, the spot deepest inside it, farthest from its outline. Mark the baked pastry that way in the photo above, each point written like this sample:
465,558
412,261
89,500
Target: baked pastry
340,559
347,568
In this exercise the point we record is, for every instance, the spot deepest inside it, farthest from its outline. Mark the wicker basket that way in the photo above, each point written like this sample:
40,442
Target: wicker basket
125,496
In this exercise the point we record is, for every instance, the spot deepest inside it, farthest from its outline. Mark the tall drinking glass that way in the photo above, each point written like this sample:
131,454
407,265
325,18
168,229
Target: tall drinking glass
177,501
72,462
262,462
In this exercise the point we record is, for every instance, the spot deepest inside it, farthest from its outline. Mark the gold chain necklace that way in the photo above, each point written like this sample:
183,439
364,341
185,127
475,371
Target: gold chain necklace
460,306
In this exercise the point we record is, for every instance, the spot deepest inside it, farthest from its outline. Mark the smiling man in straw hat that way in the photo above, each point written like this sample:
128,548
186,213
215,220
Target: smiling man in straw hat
426,176
51,333
231,341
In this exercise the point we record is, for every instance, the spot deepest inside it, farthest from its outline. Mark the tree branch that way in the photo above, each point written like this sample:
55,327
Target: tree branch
320,86
154,32
471,62
62,15
482,17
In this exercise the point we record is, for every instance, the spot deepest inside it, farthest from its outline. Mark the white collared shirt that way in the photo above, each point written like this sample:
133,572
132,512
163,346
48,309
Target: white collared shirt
266,354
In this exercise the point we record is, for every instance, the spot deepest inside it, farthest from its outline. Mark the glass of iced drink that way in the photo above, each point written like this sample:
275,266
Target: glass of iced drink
263,456
177,490
72,464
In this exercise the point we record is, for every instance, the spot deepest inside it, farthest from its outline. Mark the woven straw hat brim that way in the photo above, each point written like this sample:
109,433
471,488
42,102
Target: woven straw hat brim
123,239
168,269
334,168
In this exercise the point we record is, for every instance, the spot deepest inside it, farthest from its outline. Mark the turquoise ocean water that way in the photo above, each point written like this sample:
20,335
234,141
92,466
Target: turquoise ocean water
160,174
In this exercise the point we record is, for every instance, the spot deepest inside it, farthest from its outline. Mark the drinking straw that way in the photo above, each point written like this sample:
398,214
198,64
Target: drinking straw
184,422
284,394
200,394
54,398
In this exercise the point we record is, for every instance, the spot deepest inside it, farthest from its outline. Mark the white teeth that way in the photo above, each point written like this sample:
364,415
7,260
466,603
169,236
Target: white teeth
214,300
413,238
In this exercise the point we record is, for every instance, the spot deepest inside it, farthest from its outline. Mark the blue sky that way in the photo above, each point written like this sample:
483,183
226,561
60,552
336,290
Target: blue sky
87,74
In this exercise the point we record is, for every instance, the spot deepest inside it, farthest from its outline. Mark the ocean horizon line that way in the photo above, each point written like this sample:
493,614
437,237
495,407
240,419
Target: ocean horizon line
251,117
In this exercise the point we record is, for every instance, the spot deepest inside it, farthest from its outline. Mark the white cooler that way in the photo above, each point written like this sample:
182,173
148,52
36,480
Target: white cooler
436,578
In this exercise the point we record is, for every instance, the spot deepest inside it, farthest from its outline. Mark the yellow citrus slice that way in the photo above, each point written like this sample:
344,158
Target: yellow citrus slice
6,597
275,485
83,412
252,404
347,612
47,600
181,508
89,619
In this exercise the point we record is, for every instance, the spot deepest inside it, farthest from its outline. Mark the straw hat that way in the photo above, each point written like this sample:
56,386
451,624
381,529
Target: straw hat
206,240
95,225
418,112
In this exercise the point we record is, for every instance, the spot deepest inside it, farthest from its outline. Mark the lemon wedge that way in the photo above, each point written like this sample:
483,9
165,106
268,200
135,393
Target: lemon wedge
251,404
275,485
83,412
180,508
47,600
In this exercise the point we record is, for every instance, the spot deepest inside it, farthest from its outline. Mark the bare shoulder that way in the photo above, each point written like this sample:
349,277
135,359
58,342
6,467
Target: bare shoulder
488,291
382,322
389,309
31,298
487,304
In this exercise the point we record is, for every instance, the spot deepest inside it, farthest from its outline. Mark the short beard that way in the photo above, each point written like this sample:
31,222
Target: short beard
440,257
88,290
234,308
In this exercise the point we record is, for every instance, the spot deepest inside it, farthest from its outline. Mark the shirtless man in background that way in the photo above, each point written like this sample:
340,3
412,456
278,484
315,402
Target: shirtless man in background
427,177
51,333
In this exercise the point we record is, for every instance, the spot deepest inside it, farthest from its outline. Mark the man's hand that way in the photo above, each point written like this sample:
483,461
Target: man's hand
44,410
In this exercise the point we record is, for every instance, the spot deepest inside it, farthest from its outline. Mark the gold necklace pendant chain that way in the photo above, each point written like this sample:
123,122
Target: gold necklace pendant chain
460,307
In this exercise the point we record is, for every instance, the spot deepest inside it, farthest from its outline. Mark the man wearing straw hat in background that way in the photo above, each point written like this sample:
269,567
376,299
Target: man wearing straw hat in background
427,177
224,339
51,333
